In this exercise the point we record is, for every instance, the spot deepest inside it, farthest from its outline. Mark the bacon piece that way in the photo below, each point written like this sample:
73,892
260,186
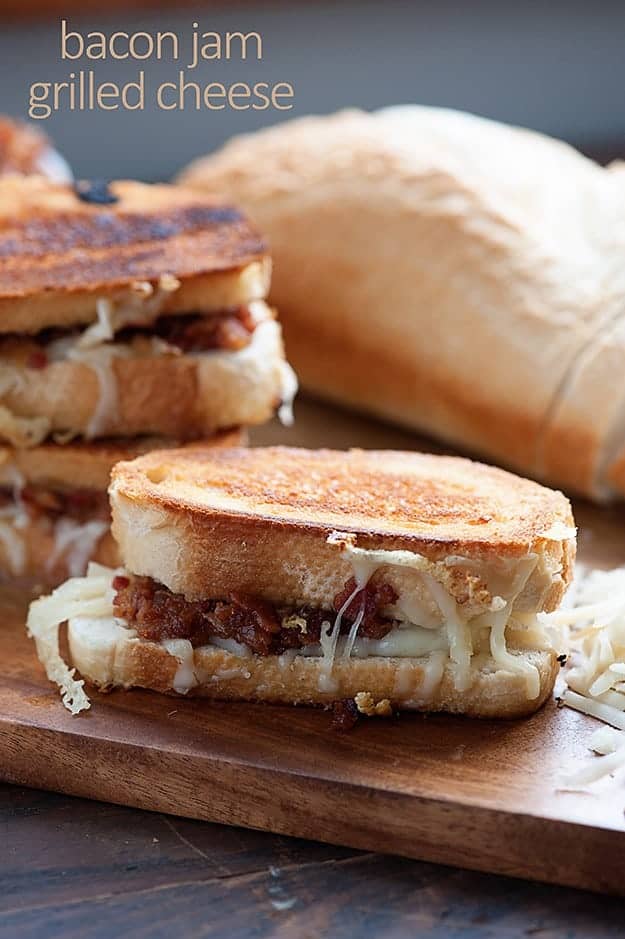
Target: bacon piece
157,613
344,715
374,596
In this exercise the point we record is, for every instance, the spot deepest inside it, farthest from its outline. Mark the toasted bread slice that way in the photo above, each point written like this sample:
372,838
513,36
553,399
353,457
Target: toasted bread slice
258,521
44,548
135,389
109,656
60,254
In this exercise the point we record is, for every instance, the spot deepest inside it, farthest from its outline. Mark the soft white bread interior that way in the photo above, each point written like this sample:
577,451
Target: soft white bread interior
139,389
110,656
470,266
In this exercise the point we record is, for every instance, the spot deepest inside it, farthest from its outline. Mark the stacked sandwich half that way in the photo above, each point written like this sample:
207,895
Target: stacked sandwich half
131,316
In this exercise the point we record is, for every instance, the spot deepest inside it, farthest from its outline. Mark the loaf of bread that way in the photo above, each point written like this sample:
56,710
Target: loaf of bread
449,273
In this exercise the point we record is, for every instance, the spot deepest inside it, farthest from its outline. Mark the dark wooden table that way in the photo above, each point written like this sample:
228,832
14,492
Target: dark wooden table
72,868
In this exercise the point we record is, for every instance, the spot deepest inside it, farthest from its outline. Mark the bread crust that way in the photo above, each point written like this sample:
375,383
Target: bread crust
113,658
588,423
183,396
258,522
204,293
466,263
60,253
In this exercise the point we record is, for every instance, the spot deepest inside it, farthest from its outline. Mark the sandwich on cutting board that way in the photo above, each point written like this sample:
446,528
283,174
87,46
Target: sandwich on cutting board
26,151
131,316
478,270
395,580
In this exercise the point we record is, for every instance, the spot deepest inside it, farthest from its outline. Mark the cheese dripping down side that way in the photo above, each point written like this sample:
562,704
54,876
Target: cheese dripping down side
457,626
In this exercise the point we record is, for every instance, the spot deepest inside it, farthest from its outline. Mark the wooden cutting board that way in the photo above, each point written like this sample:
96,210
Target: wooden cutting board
476,794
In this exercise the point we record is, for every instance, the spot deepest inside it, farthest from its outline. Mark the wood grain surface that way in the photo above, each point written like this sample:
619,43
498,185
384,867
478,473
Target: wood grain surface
72,868
482,795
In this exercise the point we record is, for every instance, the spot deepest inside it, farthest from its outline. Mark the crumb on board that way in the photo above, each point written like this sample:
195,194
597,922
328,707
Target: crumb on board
366,705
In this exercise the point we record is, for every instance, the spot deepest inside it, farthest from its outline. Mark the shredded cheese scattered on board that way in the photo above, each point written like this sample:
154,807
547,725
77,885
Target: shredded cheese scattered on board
593,619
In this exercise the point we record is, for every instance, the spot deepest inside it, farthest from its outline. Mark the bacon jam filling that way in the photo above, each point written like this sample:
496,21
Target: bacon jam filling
228,331
157,614
81,505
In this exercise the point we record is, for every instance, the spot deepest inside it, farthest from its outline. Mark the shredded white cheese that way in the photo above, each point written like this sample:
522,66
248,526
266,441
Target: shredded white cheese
140,307
81,596
593,616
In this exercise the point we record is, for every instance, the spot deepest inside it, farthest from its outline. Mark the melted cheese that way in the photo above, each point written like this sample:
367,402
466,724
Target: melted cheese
509,660
22,431
13,544
185,677
458,634
13,518
433,648
140,307
288,390
457,628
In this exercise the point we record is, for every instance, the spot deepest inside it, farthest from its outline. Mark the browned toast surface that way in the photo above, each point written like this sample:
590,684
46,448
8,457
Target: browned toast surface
57,250
411,500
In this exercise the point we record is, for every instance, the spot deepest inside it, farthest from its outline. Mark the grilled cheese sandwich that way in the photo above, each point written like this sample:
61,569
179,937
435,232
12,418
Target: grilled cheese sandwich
288,575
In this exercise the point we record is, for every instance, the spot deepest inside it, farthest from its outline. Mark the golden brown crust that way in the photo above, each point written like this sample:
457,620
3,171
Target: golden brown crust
112,660
415,500
258,521
588,420
205,293
55,247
